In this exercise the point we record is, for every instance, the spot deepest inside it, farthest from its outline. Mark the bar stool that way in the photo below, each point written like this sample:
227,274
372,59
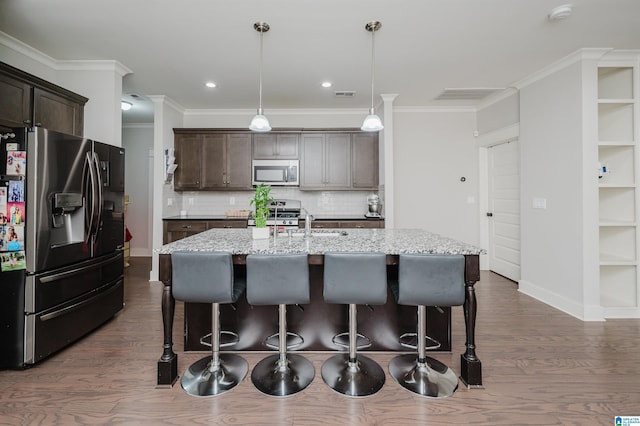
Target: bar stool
427,280
281,280
207,277
354,278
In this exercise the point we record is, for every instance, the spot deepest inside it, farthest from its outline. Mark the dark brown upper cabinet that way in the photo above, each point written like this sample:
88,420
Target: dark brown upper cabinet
26,100
212,160
275,146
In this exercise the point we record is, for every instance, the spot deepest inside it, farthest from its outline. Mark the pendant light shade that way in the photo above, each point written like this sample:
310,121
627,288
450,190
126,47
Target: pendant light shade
372,122
260,123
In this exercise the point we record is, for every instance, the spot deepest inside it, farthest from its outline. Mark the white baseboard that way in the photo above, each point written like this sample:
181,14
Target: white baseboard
594,313
140,252
622,313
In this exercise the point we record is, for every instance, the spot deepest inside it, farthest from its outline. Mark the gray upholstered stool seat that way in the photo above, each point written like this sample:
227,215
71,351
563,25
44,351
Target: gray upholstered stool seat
354,278
427,280
208,277
282,280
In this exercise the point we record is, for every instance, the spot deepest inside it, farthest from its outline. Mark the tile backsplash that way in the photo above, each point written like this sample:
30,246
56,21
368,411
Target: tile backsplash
320,203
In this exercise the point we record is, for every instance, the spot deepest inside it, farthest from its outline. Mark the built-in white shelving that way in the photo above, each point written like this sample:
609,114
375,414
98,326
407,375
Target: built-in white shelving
618,156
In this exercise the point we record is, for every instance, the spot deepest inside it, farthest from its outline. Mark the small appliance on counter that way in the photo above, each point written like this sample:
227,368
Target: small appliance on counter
375,207
283,213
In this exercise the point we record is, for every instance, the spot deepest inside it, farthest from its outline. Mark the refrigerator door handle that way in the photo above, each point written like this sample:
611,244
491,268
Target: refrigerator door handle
88,185
99,185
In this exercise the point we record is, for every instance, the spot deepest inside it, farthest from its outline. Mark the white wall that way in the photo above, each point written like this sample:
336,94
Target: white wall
432,151
137,141
500,114
167,115
101,82
551,145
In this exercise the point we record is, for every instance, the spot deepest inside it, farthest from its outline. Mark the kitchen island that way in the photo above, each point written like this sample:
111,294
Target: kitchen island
320,321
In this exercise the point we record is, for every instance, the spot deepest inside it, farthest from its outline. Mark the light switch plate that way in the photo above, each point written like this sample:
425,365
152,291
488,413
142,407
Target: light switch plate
539,203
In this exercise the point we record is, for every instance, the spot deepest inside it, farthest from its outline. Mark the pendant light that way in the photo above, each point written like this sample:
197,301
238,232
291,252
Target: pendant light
260,123
372,122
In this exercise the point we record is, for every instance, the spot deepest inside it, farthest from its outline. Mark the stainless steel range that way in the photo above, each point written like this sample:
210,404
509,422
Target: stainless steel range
282,213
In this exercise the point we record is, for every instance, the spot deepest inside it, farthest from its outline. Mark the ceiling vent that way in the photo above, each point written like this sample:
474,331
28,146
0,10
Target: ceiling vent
345,94
470,94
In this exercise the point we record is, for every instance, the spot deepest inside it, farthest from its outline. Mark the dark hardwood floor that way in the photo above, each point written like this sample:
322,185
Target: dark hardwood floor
540,367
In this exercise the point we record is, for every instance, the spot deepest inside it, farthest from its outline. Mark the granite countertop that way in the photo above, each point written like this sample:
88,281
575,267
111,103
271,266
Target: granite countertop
388,241
204,217
224,217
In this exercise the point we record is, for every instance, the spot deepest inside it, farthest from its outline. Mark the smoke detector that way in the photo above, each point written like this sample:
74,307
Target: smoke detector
560,12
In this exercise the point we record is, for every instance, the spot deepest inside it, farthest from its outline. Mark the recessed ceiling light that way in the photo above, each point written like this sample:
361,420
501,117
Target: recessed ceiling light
560,12
326,84
126,106
210,84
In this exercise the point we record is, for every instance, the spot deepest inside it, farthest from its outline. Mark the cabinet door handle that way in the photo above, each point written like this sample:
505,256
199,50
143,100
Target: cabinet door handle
186,226
359,226
27,121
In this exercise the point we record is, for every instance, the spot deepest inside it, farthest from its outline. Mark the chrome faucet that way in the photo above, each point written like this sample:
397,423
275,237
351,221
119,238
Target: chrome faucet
275,222
307,223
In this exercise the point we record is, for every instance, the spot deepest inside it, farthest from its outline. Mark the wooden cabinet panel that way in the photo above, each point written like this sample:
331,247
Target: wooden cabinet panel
312,161
174,230
345,224
337,161
212,164
27,100
56,113
364,164
325,162
187,152
229,223
178,229
275,146
210,160
238,164
15,102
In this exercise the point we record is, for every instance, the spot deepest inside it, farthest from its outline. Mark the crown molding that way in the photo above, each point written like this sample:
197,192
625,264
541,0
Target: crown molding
422,109
163,99
496,97
62,65
275,112
578,55
93,65
26,50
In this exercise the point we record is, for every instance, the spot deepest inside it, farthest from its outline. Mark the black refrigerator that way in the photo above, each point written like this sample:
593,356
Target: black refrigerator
61,240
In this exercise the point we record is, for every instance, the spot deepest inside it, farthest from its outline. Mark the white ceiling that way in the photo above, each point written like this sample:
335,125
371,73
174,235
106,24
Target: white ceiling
424,46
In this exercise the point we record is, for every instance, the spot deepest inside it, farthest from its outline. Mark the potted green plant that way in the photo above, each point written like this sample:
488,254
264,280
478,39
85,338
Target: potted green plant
261,200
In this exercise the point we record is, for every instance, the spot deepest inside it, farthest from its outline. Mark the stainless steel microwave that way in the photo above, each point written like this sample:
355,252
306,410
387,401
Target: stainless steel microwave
276,172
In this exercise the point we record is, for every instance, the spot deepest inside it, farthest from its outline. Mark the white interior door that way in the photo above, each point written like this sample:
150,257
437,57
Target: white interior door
504,209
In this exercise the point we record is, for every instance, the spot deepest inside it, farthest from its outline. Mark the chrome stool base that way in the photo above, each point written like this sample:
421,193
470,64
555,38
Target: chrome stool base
274,379
342,340
410,340
199,380
431,379
293,340
227,338
361,378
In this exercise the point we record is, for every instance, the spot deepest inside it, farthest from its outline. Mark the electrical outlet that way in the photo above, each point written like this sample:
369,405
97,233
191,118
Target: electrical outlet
539,203
232,201
169,201
190,200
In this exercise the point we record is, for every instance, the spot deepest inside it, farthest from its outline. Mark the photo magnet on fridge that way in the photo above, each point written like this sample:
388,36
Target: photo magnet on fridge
16,163
12,261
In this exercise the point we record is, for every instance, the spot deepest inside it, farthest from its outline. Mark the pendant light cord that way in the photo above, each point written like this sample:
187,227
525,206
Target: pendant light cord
373,60
260,73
